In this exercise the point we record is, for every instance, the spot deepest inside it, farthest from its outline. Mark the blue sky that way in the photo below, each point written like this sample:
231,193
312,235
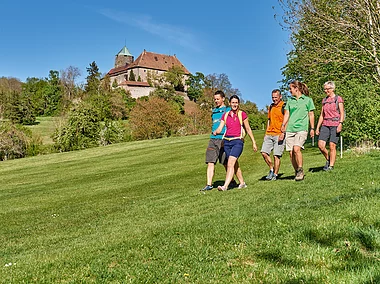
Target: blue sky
241,39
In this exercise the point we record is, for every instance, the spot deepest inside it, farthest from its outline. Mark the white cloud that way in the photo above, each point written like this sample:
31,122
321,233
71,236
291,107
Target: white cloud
174,34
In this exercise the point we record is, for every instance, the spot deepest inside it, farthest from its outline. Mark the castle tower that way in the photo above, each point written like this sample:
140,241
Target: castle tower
124,57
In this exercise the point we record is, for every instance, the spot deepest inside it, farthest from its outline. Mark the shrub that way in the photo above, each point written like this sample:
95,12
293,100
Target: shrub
362,104
197,122
80,130
154,118
113,132
17,142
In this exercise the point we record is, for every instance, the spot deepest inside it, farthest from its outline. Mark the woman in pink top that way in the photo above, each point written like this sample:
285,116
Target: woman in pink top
234,140
330,124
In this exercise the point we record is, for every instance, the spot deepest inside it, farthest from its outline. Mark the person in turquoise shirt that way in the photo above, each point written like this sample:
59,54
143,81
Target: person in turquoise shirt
215,149
299,112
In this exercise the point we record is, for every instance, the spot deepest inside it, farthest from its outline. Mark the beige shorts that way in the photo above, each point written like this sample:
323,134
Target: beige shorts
295,139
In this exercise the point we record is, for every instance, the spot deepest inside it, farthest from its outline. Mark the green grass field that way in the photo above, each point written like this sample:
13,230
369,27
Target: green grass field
44,127
133,213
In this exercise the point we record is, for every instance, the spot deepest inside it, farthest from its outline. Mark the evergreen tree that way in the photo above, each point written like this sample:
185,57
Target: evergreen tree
132,76
93,79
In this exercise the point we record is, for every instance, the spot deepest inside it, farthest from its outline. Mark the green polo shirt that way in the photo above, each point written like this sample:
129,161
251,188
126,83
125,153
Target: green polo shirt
299,113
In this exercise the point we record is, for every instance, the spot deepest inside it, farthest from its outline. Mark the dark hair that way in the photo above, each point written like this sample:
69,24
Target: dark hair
301,86
234,97
276,91
219,92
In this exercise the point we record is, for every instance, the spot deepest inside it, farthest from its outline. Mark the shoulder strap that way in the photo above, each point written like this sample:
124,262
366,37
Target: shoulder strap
240,116
225,116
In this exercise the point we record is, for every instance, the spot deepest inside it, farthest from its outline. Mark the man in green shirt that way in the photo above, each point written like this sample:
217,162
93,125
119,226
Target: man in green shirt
299,112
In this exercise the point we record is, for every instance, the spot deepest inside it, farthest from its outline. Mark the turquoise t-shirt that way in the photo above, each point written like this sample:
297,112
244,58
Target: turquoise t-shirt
299,113
216,116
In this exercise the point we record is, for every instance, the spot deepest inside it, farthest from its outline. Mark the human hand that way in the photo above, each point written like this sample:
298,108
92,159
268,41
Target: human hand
317,131
254,146
311,133
281,137
339,128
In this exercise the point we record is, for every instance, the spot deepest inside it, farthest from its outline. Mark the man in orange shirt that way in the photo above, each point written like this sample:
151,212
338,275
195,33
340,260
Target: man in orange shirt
274,137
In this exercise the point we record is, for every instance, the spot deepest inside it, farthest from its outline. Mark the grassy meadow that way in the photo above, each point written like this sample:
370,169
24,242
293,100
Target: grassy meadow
134,213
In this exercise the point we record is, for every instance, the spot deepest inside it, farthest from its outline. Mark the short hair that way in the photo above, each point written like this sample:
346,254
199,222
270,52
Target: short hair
234,97
221,93
331,84
276,91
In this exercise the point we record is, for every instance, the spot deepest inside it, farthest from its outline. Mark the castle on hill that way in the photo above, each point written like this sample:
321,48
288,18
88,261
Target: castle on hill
147,62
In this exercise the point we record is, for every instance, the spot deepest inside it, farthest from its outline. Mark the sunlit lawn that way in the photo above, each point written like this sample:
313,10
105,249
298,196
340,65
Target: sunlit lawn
133,213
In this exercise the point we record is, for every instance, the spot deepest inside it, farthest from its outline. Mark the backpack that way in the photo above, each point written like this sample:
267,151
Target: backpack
324,101
282,108
243,133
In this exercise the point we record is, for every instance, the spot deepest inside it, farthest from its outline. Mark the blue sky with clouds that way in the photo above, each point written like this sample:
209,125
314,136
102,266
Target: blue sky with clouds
241,39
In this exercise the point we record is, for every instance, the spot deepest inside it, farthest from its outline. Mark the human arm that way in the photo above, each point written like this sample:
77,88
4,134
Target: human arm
285,121
220,128
341,119
320,120
311,120
250,134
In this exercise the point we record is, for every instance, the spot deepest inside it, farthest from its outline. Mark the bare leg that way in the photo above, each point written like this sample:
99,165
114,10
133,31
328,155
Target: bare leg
230,170
332,153
277,163
296,156
322,148
267,160
238,172
210,172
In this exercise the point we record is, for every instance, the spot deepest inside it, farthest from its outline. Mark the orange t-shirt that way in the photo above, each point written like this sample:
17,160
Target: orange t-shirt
275,118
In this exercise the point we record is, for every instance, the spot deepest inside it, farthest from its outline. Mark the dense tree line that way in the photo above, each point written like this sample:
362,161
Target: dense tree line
100,113
339,41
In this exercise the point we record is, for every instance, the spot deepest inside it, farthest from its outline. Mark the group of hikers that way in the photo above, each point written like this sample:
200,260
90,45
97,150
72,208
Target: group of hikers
287,126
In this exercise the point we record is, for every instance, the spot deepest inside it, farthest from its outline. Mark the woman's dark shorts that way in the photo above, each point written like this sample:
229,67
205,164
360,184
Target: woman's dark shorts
233,148
329,133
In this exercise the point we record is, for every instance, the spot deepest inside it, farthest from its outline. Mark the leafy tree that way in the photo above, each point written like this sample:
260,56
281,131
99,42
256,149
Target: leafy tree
69,88
8,86
339,41
175,77
196,85
221,82
21,109
154,118
80,130
17,142
52,94
93,79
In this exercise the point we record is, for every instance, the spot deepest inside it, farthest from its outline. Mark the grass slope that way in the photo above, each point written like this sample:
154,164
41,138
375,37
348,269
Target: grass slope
133,213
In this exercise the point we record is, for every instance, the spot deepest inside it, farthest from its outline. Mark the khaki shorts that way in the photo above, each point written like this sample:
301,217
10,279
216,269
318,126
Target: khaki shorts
295,139
271,143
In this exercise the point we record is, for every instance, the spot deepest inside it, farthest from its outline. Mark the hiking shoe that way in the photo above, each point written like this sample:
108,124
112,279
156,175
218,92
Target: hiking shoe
222,188
274,177
329,168
300,174
233,184
327,165
243,185
270,175
207,187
